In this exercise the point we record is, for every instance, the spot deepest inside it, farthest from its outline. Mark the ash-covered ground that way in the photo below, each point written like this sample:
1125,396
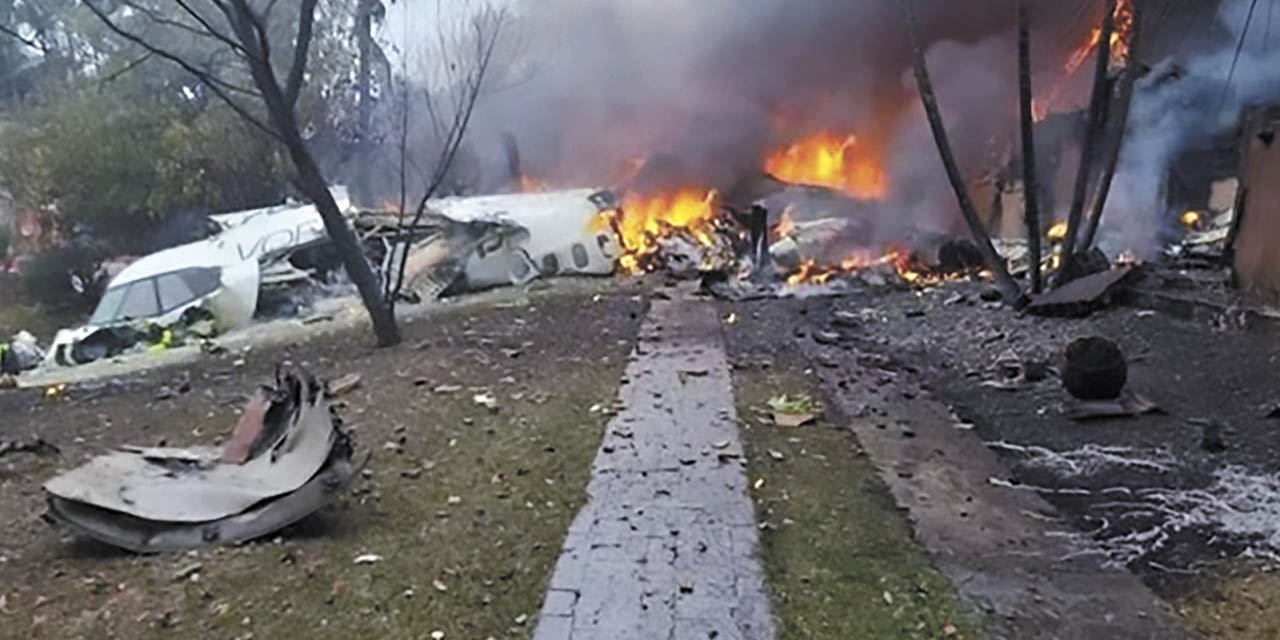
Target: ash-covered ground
1154,492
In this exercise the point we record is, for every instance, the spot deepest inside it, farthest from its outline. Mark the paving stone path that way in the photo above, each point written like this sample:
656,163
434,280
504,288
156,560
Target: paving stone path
665,548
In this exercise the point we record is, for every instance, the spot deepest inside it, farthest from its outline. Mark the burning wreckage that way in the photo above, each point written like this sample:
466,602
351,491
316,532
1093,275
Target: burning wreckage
194,292
287,458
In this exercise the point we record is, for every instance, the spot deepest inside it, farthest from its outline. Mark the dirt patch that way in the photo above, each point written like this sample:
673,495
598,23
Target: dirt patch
1239,606
465,508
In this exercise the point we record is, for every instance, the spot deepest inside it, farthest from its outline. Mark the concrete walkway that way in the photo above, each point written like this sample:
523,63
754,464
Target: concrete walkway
666,546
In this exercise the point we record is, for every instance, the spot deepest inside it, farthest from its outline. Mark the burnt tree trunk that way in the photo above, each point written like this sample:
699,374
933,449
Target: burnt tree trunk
1125,102
1008,287
1030,184
1092,134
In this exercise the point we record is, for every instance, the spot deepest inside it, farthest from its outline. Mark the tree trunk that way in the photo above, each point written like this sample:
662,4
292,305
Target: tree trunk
1125,99
1089,150
312,183
363,192
1012,292
1030,185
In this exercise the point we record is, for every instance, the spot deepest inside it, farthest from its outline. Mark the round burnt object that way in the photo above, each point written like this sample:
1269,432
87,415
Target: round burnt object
1096,369
959,256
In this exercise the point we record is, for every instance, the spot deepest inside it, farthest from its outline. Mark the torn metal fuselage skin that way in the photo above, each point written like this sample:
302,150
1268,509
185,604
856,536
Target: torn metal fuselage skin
489,241
151,499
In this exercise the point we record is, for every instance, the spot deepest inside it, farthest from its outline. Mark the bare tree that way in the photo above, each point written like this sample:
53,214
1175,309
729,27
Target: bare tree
1030,185
1093,133
1133,69
1008,286
256,34
466,51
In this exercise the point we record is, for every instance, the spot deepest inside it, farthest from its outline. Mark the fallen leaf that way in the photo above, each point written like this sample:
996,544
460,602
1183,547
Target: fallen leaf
888,598
777,455
792,420
521,619
440,586
949,630
368,558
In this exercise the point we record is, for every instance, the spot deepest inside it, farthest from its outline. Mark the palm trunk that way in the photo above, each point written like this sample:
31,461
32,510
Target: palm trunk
1008,287
1031,188
1092,134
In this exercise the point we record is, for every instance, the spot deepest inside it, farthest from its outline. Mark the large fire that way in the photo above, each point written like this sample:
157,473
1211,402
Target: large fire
1120,43
830,160
641,222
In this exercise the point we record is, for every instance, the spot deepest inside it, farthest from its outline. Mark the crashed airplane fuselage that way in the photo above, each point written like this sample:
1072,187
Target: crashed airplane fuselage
475,243
217,279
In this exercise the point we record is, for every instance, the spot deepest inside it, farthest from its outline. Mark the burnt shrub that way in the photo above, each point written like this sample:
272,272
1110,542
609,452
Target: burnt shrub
47,276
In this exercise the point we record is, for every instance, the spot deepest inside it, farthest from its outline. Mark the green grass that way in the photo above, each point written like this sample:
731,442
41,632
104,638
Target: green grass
839,557
467,509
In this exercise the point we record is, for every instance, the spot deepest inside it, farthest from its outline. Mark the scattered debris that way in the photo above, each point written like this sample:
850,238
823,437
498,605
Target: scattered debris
36,445
20,354
368,558
151,499
1096,369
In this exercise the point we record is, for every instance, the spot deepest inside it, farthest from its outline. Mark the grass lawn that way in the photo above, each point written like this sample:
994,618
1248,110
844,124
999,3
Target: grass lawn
465,509
839,556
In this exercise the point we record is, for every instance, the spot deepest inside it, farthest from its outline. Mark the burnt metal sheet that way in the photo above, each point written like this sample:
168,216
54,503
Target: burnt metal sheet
146,536
1080,297
173,490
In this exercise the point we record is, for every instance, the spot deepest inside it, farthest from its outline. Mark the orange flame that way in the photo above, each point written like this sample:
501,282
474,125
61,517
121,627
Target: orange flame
830,160
643,221
1120,42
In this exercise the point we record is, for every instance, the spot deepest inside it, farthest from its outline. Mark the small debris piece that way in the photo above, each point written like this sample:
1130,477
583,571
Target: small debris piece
826,337
521,619
368,558
248,430
846,320
1080,297
437,635
187,571
38,446
731,319
447,388
1096,369
777,455
455,500
344,385
1127,406
486,400
439,586
1211,440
